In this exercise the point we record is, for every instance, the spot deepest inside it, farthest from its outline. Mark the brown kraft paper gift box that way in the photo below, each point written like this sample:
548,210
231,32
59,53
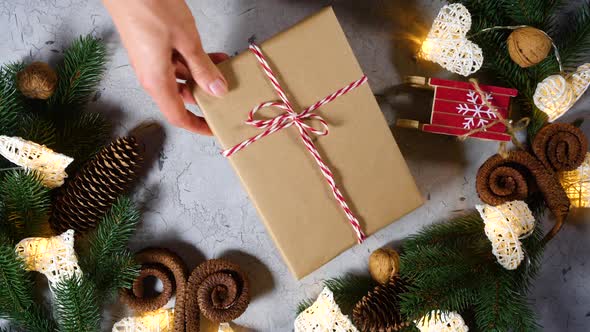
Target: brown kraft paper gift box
311,60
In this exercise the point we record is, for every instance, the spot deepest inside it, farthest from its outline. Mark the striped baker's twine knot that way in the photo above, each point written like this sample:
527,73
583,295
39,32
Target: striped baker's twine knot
289,118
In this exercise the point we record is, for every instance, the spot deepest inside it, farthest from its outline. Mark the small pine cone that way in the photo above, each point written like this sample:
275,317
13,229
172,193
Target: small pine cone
379,310
38,80
85,199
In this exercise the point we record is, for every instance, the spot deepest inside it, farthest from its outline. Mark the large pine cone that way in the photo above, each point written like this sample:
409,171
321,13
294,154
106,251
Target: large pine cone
379,310
85,199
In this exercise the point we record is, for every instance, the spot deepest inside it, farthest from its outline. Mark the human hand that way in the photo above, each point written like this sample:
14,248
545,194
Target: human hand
163,44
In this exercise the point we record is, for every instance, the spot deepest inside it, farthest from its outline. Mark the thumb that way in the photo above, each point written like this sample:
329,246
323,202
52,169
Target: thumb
204,72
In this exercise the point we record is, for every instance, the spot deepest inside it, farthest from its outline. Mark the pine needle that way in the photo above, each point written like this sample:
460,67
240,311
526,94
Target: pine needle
25,203
79,74
76,305
11,100
107,261
16,298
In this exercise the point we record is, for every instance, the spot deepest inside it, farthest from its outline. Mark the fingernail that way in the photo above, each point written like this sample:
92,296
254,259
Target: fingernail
218,87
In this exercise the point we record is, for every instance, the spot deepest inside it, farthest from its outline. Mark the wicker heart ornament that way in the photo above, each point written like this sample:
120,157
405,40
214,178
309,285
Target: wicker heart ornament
447,43
556,94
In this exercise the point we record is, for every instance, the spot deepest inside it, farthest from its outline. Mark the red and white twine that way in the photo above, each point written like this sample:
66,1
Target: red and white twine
290,118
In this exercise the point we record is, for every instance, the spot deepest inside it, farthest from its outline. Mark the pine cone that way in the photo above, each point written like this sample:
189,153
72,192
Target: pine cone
379,310
85,199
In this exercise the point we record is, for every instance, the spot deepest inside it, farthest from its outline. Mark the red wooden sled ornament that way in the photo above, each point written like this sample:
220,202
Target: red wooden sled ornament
457,109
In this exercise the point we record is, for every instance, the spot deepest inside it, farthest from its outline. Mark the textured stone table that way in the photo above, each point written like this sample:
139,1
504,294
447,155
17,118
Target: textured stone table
194,202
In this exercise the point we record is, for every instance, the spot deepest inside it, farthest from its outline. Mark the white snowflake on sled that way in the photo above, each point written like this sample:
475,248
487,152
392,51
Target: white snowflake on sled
476,115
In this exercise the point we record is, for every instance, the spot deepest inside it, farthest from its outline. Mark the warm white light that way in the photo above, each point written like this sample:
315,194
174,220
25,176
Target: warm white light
447,43
324,315
161,320
33,156
55,257
577,184
505,225
439,321
556,94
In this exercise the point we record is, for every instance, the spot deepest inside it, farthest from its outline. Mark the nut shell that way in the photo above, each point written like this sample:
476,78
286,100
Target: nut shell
383,264
528,46
38,80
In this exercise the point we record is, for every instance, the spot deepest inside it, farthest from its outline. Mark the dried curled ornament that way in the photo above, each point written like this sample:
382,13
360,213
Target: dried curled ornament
558,147
218,289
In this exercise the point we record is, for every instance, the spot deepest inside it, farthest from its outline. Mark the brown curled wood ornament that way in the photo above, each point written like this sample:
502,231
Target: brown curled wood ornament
560,147
169,268
218,289
500,180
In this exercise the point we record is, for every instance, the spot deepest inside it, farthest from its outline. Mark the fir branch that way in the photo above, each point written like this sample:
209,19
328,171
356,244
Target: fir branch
76,305
81,135
303,305
575,48
107,262
39,130
11,100
26,203
80,73
450,267
348,291
16,298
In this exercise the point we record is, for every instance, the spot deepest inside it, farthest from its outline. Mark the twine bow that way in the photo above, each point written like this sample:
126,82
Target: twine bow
290,118
511,128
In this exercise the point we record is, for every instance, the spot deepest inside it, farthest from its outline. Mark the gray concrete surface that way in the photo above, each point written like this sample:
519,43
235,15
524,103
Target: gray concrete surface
195,204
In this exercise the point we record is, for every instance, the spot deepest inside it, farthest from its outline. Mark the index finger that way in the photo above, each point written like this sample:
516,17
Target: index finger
161,85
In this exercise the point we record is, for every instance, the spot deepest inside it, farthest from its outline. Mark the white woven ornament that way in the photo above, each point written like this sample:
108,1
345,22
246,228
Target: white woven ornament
225,327
439,321
556,94
324,315
505,225
54,256
577,184
447,43
161,320
32,156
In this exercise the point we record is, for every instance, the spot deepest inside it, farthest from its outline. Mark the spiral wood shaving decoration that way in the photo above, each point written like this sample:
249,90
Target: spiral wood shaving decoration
218,289
557,147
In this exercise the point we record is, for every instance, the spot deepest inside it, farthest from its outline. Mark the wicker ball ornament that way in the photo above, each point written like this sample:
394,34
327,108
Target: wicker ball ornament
324,315
383,264
528,46
505,225
38,80
438,321
85,199
557,94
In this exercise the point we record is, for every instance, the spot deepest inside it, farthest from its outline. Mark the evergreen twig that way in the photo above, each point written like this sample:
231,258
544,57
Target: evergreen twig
25,203
108,263
16,297
79,74
76,305
11,100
